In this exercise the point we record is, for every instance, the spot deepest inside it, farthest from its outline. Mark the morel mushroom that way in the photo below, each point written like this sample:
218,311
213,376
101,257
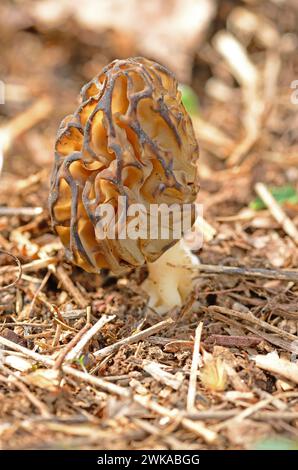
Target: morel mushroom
130,140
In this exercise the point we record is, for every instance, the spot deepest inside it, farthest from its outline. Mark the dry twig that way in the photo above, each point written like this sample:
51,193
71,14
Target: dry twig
252,319
20,211
18,268
272,363
191,396
255,273
277,211
196,427
76,350
133,338
64,278
158,373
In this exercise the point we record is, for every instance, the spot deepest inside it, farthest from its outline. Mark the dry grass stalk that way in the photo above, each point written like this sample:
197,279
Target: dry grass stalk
171,441
191,396
18,268
196,427
252,319
35,265
20,211
258,415
22,123
27,119
273,339
74,292
36,402
48,361
258,92
70,346
38,291
101,353
247,75
234,341
158,373
277,211
255,273
76,350
249,411
272,363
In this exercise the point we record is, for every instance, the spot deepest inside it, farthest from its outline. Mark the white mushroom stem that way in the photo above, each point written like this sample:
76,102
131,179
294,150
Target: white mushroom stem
171,278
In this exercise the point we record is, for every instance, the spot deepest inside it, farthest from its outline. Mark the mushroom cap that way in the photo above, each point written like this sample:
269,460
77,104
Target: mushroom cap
132,137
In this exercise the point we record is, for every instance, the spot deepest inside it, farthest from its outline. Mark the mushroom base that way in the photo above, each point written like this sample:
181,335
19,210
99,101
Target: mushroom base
171,278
